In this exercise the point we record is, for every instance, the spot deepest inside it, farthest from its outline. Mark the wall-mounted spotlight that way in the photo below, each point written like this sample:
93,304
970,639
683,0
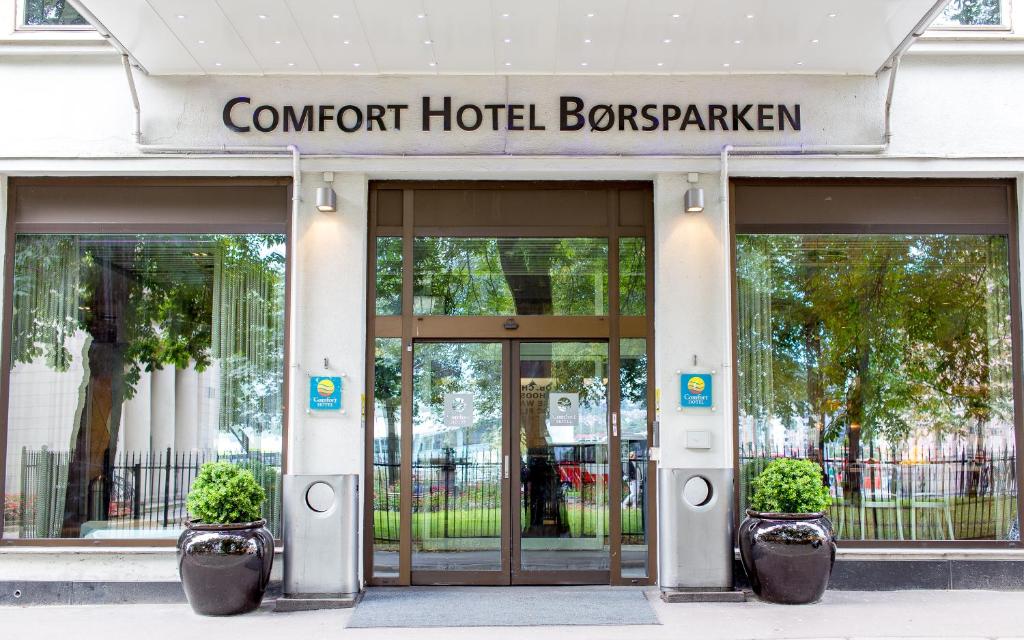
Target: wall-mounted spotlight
326,199
693,199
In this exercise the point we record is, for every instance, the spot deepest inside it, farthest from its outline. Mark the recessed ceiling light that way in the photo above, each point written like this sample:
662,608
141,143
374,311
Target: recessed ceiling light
202,41
336,16
262,16
799,64
277,42
587,41
432,64
508,64
750,16
583,64
505,15
725,64
181,16
346,42
737,42
661,64
667,41
291,64
508,40
355,64
428,42
421,15
216,64
675,15
832,15
590,15
815,41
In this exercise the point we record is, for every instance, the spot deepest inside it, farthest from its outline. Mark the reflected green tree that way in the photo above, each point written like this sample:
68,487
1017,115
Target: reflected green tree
870,340
972,13
51,12
143,303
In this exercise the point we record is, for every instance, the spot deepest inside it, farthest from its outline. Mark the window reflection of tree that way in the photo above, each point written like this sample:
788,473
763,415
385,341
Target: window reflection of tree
878,345
143,303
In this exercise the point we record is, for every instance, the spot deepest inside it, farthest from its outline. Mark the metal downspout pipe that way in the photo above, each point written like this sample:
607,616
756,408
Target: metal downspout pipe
137,111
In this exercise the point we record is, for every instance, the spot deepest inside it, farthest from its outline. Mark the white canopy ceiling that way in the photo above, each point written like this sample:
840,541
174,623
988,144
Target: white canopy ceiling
186,37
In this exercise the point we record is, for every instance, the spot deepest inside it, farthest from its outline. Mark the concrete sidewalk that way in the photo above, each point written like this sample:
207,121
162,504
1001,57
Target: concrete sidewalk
842,614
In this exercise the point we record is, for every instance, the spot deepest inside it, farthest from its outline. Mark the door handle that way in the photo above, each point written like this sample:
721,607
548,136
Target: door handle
506,467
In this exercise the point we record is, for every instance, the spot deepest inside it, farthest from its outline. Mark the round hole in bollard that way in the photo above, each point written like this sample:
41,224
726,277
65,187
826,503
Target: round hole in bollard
697,491
320,497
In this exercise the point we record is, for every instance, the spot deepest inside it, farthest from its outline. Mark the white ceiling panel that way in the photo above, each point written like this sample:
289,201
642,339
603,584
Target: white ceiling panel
524,38
271,34
510,36
589,35
150,40
334,34
462,35
396,35
207,33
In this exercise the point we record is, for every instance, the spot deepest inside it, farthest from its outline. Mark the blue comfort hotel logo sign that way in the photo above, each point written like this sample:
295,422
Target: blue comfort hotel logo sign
695,390
324,393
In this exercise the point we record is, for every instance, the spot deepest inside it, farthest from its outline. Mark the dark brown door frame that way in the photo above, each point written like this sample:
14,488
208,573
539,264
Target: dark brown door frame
610,328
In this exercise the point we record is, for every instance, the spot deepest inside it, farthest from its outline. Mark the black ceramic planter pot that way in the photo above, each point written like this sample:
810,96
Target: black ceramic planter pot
225,568
788,557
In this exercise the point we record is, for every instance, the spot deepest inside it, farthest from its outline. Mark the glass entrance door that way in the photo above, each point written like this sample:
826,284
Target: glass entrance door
510,468
460,463
561,529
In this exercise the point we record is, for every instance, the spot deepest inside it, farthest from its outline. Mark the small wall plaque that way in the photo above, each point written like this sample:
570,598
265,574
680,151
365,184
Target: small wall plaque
695,390
324,393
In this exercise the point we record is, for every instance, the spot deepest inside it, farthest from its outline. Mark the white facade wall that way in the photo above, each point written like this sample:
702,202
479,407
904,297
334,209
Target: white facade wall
953,115
690,293
331,282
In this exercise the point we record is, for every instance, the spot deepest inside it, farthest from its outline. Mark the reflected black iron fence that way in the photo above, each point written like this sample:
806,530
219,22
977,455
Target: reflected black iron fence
953,494
139,491
460,497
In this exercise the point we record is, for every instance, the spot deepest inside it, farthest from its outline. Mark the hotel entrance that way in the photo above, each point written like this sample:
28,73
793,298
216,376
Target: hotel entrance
511,415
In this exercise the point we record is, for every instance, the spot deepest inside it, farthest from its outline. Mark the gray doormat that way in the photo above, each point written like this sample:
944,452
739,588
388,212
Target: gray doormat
501,607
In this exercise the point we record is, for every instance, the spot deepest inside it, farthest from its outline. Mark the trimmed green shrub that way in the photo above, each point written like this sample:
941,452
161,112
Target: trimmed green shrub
790,486
224,493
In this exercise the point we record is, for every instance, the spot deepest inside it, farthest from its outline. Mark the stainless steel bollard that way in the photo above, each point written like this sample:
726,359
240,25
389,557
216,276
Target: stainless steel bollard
695,529
321,540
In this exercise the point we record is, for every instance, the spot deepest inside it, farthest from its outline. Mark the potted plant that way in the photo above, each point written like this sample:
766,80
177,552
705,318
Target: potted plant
225,553
786,542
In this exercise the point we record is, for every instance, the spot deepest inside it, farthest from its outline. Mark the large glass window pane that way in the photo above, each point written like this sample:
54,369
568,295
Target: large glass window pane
51,13
389,276
510,276
886,358
456,468
633,455
387,454
135,359
632,277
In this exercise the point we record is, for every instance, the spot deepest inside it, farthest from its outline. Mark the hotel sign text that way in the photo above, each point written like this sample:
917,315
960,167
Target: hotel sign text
243,115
